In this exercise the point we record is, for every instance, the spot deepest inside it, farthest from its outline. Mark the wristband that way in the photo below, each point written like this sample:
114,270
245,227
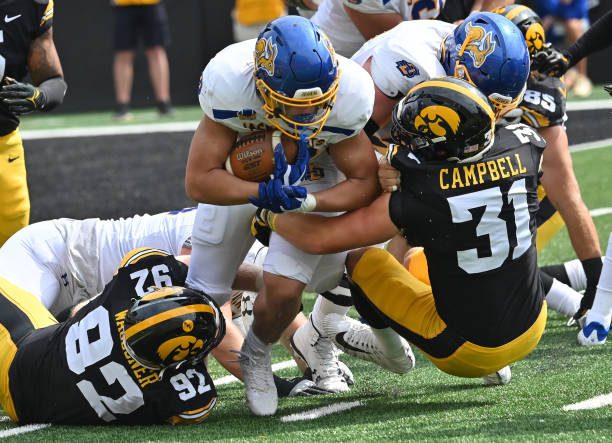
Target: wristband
309,204
592,268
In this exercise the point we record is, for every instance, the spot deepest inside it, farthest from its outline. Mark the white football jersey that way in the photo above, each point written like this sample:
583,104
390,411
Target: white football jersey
405,56
333,19
228,95
64,261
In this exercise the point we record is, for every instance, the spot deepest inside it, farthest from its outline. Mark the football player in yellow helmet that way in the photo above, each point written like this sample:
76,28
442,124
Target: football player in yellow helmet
459,181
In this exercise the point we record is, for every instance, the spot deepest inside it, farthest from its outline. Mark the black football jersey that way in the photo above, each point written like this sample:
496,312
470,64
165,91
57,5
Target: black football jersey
543,104
22,21
78,372
476,222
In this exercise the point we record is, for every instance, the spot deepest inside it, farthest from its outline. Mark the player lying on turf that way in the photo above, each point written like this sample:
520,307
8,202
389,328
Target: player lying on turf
127,357
469,198
65,262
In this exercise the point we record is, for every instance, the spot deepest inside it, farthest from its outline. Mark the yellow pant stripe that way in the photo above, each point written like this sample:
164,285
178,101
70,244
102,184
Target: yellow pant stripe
14,197
31,306
7,354
471,360
21,312
409,306
397,293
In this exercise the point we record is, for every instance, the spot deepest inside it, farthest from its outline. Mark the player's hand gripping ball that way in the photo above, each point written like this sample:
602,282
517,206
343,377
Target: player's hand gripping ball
252,156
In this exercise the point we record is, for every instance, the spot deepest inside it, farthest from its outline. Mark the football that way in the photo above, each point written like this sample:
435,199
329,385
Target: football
252,156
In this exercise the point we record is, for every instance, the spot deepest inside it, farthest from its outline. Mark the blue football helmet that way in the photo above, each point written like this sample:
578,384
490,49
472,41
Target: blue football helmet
296,74
489,51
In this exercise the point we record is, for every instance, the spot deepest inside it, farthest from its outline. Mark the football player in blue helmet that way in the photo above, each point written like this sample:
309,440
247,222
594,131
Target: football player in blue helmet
489,51
298,86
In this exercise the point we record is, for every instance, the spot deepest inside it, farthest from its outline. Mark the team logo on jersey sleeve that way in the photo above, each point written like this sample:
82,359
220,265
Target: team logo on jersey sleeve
437,120
246,114
265,55
407,69
535,38
478,43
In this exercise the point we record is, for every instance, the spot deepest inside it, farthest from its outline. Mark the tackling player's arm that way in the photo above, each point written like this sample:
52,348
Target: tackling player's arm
370,25
355,158
563,191
206,180
316,234
43,59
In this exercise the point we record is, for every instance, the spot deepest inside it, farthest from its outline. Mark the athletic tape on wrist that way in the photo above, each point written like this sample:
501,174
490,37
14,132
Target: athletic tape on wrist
309,204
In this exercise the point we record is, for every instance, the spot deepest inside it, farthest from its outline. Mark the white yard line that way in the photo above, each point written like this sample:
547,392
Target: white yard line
22,430
275,367
588,105
600,212
592,403
598,144
149,128
313,414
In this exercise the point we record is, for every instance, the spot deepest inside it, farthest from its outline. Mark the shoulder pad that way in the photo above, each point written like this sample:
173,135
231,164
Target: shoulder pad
136,255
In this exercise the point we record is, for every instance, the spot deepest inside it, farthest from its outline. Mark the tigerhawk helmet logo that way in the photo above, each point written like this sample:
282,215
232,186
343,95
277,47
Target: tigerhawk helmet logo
265,55
179,348
437,120
535,38
478,43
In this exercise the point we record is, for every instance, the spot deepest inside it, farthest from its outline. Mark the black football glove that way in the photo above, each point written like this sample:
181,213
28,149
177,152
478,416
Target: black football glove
608,89
260,229
592,269
21,98
552,62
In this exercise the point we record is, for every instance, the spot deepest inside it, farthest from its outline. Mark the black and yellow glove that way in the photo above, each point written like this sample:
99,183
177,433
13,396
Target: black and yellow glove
261,225
552,62
21,98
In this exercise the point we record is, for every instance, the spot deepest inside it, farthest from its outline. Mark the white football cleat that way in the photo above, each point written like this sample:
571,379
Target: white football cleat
593,334
501,377
358,340
256,366
317,351
346,373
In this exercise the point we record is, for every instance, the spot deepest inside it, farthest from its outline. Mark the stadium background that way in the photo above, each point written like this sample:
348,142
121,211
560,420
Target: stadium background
199,29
